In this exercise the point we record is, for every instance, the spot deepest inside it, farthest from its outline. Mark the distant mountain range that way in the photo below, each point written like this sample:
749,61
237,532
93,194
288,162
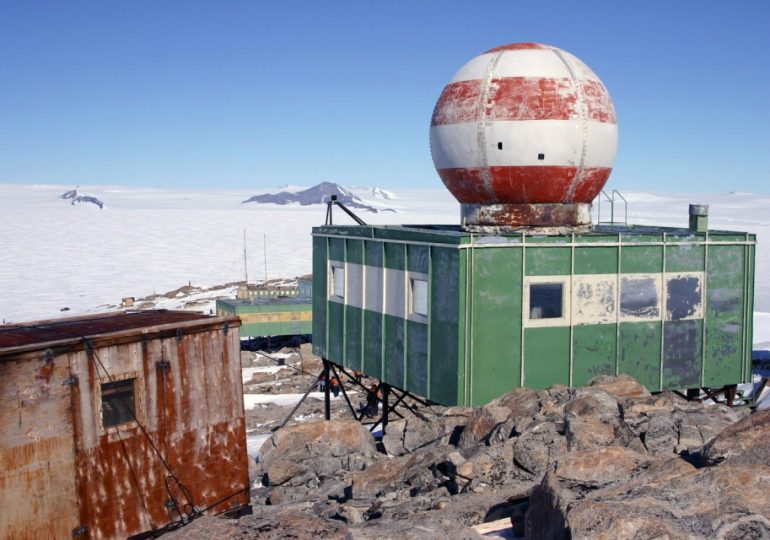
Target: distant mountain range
76,197
322,193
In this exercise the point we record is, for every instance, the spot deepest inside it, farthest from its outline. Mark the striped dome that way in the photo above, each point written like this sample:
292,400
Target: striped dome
524,123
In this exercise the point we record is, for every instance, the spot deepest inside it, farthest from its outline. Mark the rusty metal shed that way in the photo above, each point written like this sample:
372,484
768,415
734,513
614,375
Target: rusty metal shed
120,424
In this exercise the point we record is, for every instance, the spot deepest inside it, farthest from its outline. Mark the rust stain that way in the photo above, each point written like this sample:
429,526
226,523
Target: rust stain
533,215
60,469
43,331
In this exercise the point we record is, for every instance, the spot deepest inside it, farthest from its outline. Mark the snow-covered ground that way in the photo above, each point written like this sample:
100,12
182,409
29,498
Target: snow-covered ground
144,241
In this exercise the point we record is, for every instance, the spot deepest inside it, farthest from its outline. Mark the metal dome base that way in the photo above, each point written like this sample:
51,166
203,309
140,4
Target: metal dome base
548,218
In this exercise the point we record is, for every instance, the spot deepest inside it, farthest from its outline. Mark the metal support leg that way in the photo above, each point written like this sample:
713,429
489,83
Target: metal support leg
345,395
300,402
730,391
385,406
327,391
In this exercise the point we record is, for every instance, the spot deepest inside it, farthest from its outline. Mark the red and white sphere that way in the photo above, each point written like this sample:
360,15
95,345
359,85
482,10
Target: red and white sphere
524,123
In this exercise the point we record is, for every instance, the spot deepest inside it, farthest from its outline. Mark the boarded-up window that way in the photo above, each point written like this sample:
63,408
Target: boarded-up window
546,300
639,298
683,297
118,402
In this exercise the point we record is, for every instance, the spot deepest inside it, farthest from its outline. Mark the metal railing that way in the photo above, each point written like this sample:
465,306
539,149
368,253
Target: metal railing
611,200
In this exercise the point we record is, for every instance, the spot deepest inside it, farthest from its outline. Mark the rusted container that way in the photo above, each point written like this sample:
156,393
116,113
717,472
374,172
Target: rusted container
120,424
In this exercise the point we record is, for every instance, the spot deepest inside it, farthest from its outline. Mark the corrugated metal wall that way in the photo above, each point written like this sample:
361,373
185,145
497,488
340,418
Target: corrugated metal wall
480,340
38,496
62,469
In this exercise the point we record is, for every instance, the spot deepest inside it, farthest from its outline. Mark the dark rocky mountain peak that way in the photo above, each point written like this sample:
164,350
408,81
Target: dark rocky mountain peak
75,196
318,194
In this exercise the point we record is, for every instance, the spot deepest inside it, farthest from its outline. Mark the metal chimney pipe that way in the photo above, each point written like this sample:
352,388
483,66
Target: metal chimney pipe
699,217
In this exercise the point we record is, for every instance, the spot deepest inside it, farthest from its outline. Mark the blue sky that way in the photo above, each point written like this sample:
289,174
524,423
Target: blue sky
258,94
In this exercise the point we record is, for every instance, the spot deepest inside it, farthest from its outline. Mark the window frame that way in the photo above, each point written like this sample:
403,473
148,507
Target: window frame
138,404
566,301
333,296
413,315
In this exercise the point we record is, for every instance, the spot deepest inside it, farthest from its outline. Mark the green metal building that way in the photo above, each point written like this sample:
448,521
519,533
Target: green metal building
462,317
278,316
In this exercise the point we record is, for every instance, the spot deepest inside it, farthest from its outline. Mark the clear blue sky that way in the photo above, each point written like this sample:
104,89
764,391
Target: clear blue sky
259,94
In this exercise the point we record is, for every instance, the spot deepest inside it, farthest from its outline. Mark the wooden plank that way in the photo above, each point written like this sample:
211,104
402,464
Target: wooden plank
493,526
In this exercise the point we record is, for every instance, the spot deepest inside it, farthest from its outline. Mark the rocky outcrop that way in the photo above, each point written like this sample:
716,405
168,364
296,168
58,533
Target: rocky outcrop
657,498
607,459
746,442
308,453
440,426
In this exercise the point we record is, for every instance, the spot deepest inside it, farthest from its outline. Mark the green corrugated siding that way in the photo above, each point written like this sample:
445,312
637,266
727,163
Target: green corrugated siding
685,258
496,323
446,319
596,260
750,312
337,249
272,308
354,251
353,337
548,261
417,358
452,362
640,352
393,336
395,256
336,343
373,253
682,354
417,258
320,294
372,344
724,315
276,329
641,259
594,352
546,356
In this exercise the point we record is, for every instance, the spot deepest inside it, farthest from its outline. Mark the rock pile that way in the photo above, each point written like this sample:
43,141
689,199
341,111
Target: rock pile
608,458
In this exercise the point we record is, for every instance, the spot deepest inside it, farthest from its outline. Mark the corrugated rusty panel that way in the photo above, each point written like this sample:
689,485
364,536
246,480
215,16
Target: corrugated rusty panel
192,411
92,325
37,463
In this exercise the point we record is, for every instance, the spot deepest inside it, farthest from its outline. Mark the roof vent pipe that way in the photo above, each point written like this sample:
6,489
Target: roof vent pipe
699,217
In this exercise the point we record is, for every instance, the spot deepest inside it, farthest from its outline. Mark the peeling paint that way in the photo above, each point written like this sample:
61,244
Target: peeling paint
61,469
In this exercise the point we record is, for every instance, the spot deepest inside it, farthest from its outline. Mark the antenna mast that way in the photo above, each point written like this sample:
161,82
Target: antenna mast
245,268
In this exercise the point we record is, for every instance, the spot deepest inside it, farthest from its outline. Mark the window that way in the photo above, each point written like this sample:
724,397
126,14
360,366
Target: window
338,281
640,297
118,402
546,300
419,297
683,297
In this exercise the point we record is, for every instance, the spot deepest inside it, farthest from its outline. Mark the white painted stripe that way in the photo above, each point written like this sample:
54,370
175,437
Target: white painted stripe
561,141
538,63
374,288
594,299
354,288
395,293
